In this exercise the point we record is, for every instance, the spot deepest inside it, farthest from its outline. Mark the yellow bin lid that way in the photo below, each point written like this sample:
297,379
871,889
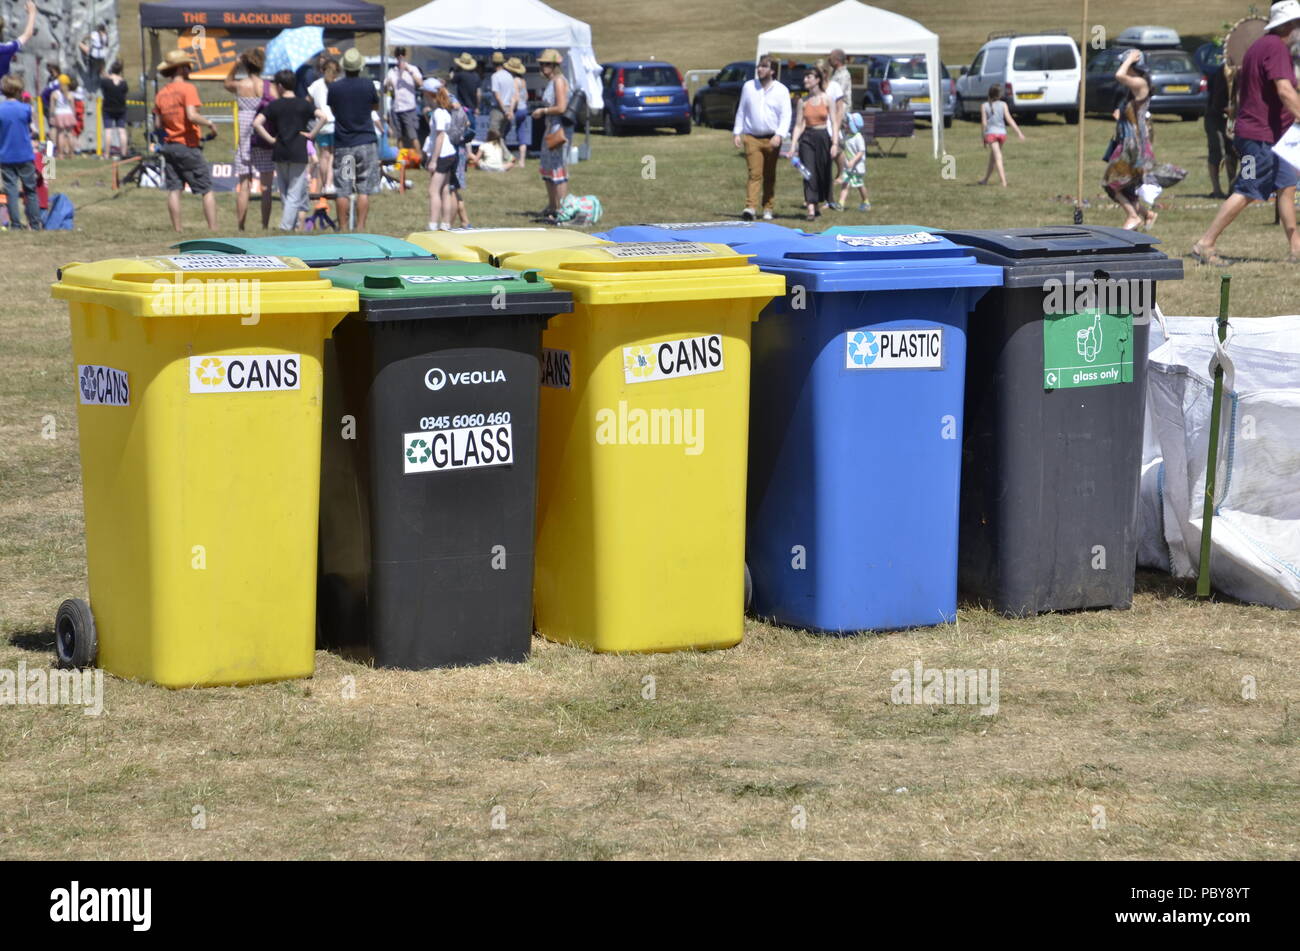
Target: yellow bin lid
648,271
207,285
488,245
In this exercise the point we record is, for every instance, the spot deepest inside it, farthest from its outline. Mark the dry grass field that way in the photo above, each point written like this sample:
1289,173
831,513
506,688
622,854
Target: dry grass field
1134,716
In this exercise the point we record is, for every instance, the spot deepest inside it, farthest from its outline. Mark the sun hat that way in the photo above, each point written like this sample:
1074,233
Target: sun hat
514,65
498,58
353,61
175,59
465,61
432,84
1283,12
855,122
549,56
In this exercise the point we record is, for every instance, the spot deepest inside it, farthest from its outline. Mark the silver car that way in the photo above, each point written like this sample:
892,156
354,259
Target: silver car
893,80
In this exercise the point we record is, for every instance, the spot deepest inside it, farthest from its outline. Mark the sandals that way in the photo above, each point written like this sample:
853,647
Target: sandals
1201,257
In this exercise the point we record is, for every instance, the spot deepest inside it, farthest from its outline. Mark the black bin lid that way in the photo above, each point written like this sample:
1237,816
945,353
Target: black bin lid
1033,255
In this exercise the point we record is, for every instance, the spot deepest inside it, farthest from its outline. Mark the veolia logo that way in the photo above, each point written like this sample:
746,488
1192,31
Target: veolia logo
437,378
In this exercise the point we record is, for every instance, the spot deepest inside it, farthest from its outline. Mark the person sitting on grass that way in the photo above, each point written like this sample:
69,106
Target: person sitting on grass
493,156
994,119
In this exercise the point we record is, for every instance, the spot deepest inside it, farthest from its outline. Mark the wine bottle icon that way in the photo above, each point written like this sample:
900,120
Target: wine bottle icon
1088,341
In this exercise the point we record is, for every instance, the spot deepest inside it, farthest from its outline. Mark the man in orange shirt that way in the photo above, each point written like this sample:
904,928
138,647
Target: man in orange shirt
177,108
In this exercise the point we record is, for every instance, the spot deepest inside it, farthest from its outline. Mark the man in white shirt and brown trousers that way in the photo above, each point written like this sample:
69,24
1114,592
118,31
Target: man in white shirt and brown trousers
762,121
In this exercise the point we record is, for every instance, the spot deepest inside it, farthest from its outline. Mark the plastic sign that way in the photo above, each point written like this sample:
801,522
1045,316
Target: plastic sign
468,447
228,262
915,348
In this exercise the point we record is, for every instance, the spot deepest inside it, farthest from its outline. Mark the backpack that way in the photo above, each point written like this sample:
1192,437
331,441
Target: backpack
579,210
460,130
60,215
575,113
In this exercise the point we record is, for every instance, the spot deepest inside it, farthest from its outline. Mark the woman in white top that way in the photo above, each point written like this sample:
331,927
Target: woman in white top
440,157
319,93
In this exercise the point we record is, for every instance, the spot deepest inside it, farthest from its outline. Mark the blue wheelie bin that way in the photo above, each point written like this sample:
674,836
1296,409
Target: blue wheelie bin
855,424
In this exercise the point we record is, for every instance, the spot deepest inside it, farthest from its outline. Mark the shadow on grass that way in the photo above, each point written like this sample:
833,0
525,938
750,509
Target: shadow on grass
38,641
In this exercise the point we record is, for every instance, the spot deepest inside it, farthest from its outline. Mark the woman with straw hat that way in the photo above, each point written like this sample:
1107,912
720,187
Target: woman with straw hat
523,128
555,142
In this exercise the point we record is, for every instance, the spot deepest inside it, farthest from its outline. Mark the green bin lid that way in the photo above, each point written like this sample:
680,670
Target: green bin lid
417,289
316,250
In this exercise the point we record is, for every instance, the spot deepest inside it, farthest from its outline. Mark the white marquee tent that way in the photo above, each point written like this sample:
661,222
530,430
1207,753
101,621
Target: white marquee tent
476,25
861,30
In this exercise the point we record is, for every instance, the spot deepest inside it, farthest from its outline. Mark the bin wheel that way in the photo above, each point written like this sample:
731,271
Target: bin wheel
749,587
76,644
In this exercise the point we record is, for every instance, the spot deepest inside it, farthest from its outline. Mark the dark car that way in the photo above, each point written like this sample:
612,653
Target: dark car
1177,84
644,93
717,101
891,80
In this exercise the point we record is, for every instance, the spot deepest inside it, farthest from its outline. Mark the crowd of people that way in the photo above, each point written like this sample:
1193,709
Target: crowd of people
317,135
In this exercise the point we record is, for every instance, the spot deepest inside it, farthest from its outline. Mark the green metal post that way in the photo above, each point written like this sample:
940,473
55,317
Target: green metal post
1212,462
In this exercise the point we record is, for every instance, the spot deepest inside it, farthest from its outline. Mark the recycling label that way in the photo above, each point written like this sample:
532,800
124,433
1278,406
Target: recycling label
1090,348
103,386
658,249
228,262
456,278
888,240
691,225
245,373
672,358
468,447
916,348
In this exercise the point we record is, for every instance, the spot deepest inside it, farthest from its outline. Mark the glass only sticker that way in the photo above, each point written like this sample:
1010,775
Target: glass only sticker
656,249
1090,348
888,240
228,262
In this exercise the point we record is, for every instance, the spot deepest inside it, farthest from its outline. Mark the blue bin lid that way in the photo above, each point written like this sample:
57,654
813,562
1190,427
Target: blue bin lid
913,260
313,250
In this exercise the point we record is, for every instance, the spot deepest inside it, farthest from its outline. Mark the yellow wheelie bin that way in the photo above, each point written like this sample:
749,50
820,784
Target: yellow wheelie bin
642,444
488,245
199,381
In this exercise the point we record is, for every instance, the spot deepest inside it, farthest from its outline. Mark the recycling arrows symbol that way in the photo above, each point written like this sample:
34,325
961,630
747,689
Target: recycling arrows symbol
414,450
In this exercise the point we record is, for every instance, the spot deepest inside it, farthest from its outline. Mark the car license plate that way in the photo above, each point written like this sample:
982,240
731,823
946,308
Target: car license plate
1178,89
1029,95
657,100
921,99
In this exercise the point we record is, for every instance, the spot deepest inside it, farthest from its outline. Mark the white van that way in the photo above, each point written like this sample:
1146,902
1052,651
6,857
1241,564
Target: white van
1038,73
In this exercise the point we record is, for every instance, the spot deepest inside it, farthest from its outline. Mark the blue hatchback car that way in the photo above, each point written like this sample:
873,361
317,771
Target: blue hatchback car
645,93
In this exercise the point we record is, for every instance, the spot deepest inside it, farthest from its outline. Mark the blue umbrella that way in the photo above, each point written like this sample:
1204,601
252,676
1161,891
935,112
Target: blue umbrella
292,48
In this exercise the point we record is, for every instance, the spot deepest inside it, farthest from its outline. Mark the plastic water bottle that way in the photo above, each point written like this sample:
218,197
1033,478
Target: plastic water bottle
802,169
